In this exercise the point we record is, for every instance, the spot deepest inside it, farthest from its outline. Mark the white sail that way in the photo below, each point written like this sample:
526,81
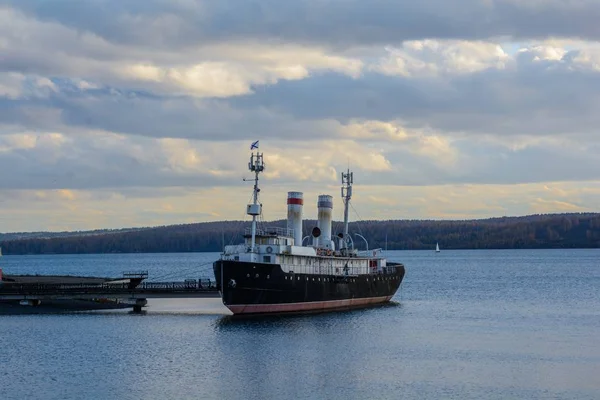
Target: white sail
437,248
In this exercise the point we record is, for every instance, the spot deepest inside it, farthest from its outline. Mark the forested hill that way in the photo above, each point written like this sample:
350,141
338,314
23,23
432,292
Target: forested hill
534,231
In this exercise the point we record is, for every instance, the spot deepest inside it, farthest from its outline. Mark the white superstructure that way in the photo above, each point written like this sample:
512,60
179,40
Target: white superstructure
283,246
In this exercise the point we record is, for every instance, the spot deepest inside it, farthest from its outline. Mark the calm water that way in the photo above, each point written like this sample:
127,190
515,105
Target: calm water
466,325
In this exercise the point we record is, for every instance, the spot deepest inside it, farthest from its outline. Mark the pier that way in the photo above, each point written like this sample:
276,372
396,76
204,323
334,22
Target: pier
131,287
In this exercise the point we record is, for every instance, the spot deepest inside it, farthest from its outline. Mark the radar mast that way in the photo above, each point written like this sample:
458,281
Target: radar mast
347,180
257,166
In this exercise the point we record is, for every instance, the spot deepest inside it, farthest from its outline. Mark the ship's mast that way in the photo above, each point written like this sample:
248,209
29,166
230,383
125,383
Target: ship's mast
347,180
255,165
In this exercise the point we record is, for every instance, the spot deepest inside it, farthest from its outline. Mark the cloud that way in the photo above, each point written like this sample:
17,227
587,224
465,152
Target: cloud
449,85
90,209
433,57
11,85
494,124
543,206
476,201
536,94
205,70
336,23
96,160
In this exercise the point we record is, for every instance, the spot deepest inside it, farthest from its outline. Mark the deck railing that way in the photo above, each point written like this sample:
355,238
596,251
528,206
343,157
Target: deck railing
270,231
370,253
135,274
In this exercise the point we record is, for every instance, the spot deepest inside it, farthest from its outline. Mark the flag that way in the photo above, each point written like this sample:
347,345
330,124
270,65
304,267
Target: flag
254,145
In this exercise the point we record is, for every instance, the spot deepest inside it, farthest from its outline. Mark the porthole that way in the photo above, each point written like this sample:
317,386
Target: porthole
247,275
256,276
268,276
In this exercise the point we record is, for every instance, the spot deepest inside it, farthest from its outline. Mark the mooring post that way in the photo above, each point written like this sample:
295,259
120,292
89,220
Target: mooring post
139,303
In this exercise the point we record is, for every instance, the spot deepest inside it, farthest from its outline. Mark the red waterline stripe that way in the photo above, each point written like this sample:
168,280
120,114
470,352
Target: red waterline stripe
307,306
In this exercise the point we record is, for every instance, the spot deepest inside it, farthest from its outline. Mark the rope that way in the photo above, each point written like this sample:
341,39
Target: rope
359,218
173,273
239,224
209,264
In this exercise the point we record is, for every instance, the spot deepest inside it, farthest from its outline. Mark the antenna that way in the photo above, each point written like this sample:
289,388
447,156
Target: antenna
347,180
257,166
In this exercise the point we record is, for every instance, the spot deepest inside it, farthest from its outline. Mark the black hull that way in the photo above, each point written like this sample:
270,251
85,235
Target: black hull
256,288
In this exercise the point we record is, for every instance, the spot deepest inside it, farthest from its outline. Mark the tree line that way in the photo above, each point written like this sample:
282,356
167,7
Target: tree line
529,232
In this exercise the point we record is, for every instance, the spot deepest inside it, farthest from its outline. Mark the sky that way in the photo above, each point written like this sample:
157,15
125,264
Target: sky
123,113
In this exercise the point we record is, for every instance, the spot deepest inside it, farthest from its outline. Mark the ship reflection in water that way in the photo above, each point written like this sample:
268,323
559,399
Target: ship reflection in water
236,320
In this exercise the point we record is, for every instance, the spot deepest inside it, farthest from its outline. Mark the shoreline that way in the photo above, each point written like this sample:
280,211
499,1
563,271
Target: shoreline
219,252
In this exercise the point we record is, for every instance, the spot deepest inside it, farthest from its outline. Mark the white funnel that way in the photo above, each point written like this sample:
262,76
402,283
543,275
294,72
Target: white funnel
325,207
294,215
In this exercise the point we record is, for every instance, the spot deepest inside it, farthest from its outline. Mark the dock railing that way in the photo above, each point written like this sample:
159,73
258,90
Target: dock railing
200,285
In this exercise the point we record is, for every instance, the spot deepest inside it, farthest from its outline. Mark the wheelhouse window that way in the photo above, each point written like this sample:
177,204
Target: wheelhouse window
267,259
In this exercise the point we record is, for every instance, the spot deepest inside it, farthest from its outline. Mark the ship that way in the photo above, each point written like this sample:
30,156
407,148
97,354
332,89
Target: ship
272,271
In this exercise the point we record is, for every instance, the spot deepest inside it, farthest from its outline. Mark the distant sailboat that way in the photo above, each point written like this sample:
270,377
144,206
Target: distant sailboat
437,248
